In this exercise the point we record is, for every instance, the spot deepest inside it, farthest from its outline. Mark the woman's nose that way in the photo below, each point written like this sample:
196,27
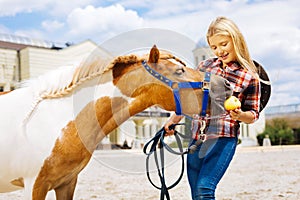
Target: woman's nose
220,51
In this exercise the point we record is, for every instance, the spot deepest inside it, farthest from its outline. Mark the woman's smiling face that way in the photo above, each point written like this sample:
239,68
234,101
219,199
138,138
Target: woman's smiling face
222,47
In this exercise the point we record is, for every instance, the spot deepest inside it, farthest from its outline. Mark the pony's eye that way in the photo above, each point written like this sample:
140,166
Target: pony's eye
179,71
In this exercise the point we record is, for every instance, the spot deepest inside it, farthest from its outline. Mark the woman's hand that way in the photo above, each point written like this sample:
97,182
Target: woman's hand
174,119
246,117
236,114
166,127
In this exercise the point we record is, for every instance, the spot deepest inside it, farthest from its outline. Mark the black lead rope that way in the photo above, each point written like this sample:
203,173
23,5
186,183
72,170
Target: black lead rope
158,141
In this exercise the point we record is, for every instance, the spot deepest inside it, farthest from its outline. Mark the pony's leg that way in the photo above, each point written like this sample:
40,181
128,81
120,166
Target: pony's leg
40,189
40,192
66,191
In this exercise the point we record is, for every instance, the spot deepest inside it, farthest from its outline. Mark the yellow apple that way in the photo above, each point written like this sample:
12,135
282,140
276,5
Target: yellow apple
232,103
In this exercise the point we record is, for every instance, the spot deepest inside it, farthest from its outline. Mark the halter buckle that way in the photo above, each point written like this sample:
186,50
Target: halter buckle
206,85
198,127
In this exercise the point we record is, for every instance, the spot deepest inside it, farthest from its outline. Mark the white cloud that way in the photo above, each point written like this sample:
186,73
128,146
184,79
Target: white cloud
30,33
285,85
51,7
134,4
52,26
12,7
63,8
102,22
271,27
283,98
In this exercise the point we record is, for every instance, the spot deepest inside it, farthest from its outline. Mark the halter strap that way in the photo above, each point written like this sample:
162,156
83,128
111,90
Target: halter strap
157,142
176,86
205,93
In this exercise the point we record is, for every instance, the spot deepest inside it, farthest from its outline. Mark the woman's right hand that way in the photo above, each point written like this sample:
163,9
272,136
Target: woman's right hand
169,131
173,120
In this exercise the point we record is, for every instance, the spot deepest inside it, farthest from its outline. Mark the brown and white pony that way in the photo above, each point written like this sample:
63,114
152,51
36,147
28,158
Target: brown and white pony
50,128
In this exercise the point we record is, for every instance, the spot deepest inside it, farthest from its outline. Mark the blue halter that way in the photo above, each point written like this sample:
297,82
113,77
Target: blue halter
183,85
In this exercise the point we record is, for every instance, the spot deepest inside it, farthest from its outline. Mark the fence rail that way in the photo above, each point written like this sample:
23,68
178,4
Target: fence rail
283,109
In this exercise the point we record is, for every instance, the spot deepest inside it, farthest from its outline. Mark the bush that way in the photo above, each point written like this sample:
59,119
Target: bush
279,133
297,135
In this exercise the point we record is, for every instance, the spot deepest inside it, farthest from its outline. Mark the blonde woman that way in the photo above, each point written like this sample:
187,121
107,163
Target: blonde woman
207,165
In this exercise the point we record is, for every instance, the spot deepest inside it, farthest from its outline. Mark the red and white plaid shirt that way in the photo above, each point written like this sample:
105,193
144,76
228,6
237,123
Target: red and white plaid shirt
245,87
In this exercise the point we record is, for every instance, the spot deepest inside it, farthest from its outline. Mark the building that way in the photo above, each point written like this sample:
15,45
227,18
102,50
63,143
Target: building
202,53
248,131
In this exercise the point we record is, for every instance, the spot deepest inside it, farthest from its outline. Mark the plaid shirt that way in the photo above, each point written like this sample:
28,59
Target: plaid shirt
245,87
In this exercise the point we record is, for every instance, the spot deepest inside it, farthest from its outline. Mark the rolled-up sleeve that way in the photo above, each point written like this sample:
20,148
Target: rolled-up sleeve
252,98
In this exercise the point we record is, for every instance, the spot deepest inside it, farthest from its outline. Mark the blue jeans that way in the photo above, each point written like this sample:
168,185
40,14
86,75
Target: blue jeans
207,165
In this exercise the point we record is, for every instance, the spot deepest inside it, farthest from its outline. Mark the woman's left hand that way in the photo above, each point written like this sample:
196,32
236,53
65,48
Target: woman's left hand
236,114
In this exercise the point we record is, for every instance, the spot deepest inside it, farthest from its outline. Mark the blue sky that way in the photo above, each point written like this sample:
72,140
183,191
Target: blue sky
271,27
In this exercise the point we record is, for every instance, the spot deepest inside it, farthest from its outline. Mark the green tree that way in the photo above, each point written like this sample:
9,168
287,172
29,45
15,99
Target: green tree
278,131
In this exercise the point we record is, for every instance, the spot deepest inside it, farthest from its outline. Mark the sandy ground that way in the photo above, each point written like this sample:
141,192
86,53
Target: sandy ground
256,173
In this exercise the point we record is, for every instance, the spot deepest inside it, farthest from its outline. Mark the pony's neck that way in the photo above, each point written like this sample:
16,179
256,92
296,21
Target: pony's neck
114,103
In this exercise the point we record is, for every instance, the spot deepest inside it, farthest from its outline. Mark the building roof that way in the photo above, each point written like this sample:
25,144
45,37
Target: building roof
14,42
13,46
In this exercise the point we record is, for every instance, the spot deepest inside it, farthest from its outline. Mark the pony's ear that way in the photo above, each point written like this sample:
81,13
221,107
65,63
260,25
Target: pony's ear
154,55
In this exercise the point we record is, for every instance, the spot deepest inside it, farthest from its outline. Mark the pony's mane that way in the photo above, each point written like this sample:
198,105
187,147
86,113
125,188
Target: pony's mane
69,79
64,80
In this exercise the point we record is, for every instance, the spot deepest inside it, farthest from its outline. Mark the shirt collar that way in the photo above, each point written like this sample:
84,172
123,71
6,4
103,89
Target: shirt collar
233,66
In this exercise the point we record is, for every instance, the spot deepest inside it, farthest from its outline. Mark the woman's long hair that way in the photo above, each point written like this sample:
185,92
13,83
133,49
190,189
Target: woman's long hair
225,26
